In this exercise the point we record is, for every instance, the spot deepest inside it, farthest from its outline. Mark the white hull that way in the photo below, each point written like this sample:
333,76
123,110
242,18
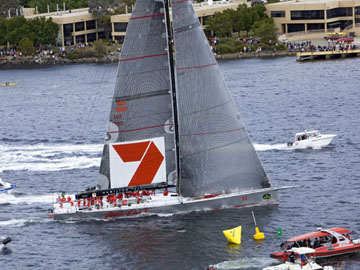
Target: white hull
297,266
6,187
160,204
313,142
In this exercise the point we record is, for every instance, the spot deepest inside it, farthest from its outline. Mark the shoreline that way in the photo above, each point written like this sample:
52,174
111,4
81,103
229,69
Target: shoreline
24,62
254,55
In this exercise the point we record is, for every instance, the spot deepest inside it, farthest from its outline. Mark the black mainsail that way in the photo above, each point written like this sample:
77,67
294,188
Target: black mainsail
215,149
141,121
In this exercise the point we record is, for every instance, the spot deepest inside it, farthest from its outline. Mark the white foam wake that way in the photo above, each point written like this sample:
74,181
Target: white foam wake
245,263
267,147
20,222
44,157
27,199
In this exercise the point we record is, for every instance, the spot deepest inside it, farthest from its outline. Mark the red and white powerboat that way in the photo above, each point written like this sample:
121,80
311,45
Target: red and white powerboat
326,243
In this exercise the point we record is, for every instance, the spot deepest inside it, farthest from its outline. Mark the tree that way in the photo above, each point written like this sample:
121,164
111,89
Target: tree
26,46
15,29
265,29
43,32
220,23
5,5
2,31
99,48
40,31
42,4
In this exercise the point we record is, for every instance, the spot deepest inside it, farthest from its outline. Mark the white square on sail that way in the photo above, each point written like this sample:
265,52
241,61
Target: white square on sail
137,163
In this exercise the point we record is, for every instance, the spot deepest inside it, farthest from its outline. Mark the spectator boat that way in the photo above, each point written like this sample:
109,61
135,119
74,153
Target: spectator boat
326,243
5,187
8,84
311,139
304,261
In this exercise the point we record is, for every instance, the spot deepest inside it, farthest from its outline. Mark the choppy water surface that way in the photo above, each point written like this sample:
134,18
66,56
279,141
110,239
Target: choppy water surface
52,127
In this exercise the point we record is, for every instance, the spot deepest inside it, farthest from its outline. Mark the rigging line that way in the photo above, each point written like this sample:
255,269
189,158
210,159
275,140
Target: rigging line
89,112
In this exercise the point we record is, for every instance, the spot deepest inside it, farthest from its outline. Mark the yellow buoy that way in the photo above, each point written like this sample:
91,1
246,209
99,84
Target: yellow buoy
233,235
258,235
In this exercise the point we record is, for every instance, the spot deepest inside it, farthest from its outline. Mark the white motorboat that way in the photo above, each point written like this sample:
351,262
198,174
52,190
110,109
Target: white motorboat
302,262
311,139
5,187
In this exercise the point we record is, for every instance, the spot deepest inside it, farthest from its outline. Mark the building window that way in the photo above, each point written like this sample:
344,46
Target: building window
315,26
90,25
91,37
120,27
205,18
119,39
357,10
277,14
339,12
307,15
341,24
296,27
80,39
79,26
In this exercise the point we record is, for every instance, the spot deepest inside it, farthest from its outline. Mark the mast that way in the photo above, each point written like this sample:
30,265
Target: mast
173,91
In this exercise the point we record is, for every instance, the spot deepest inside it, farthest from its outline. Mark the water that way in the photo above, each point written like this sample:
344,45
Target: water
52,128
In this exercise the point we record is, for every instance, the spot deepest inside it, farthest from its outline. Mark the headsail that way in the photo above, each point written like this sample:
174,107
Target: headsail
140,137
215,149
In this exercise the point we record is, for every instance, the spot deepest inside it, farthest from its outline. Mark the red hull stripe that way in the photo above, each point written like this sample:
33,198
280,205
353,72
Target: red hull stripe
148,16
142,57
136,129
178,2
212,133
196,67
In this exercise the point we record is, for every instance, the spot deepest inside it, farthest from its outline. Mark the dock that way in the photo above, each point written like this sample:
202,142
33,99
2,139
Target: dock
305,56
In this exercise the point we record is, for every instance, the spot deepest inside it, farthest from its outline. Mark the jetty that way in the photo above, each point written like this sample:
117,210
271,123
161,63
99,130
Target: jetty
324,55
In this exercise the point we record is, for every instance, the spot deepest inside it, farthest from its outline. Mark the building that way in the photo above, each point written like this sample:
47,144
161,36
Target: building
75,26
203,11
314,15
79,26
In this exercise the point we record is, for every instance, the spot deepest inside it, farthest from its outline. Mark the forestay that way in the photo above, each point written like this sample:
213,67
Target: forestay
140,136
215,149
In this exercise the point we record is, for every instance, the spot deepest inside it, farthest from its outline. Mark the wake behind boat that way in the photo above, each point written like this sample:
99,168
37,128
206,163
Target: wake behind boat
311,139
173,127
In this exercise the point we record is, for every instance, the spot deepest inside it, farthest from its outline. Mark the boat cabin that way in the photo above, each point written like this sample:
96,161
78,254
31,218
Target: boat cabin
306,135
321,238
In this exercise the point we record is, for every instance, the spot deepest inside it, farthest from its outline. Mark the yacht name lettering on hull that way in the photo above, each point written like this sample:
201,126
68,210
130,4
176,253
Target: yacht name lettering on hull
129,213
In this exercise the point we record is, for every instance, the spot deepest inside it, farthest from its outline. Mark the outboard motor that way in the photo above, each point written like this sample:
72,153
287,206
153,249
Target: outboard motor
6,241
